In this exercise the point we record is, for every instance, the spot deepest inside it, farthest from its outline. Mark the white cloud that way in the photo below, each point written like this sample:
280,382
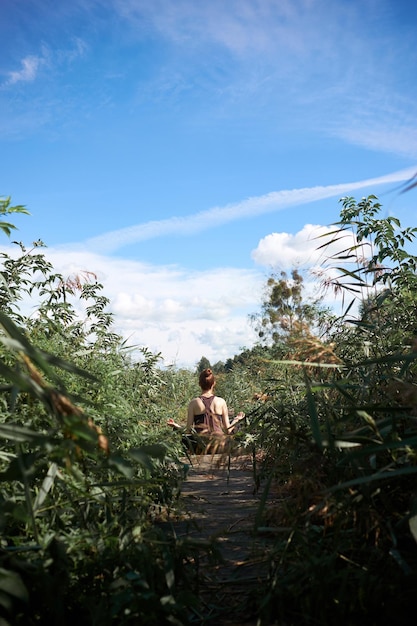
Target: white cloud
165,307
245,26
31,64
303,249
228,51
217,216
285,250
312,247
28,71
394,138
327,61
321,265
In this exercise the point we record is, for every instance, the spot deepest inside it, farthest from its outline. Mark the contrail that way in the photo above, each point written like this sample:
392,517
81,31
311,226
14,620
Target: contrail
217,216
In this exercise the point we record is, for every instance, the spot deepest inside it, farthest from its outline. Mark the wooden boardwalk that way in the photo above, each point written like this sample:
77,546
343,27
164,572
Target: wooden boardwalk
220,507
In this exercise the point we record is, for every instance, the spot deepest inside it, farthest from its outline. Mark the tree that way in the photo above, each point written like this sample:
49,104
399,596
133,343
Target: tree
203,364
219,367
284,312
378,272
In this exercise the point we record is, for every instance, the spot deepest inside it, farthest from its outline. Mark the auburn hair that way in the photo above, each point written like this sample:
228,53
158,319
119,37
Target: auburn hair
206,379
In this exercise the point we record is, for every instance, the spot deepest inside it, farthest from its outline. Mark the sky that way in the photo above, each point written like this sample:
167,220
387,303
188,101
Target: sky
185,150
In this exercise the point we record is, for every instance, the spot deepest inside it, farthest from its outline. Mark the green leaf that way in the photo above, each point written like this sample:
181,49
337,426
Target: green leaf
46,486
16,341
12,584
142,457
308,364
14,332
25,463
145,454
22,434
20,380
7,227
80,429
121,465
155,450
67,366
314,418
382,475
353,275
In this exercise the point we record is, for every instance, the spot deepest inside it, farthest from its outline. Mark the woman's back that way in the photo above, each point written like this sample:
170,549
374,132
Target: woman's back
217,405
207,414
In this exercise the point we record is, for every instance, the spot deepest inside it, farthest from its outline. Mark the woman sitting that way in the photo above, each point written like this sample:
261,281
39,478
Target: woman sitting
208,414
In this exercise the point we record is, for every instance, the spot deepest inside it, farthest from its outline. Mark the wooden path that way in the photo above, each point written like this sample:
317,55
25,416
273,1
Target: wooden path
220,507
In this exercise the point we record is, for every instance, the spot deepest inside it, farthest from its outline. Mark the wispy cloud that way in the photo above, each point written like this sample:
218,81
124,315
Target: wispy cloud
399,139
31,65
217,216
310,60
241,26
315,53
28,71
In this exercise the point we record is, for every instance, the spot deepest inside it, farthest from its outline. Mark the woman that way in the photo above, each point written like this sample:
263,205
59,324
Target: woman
208,413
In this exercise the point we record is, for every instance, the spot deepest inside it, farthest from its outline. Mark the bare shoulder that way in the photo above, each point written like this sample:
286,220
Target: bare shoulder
219,404
195,403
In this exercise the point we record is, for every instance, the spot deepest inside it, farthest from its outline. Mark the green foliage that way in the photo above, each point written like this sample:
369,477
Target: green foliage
64,492
83,470
345,434
285,313
203,364
7,209
374,268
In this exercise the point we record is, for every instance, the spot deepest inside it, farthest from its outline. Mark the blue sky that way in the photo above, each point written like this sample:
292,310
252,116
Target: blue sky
182,149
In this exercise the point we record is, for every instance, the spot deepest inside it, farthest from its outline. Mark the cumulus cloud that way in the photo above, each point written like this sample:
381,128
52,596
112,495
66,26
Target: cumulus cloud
319,252
285,250
164,307
303,249
311,247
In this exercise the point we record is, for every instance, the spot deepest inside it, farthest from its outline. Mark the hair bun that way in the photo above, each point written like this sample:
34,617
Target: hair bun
206,379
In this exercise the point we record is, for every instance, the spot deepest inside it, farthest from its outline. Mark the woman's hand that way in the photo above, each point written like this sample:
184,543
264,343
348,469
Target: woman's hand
173,424
236,419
